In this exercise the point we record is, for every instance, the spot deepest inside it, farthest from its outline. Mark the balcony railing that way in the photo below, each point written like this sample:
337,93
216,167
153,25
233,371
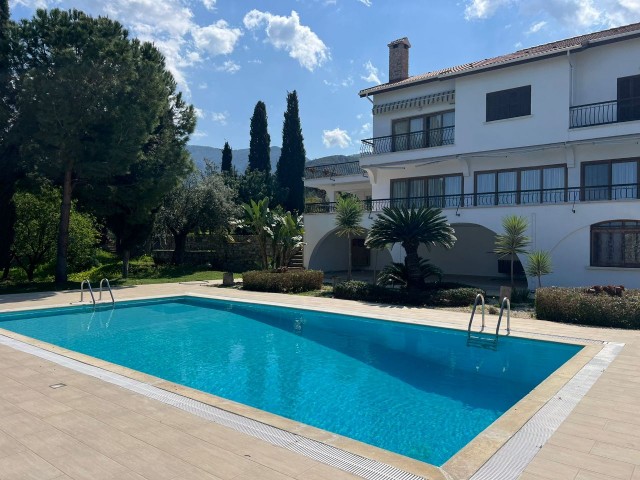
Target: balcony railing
522,197
334,170
603,113
434,137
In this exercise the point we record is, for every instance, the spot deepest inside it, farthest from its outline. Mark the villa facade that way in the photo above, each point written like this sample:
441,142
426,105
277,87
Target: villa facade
551,133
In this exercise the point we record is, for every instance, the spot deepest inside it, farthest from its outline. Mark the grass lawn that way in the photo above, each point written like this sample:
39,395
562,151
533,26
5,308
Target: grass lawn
141,271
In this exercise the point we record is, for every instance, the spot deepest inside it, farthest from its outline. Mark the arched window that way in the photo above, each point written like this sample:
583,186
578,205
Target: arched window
616,244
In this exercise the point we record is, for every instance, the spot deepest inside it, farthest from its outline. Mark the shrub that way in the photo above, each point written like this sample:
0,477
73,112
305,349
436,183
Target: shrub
573,305
520,295
454,297
291,281
363,291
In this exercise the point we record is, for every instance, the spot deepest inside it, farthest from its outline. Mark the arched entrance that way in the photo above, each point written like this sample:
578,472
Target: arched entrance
332,255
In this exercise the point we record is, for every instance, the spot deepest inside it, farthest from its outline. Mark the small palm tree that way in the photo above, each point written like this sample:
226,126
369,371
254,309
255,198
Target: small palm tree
349,221
539,264
257,219
396,273
410,228
513,240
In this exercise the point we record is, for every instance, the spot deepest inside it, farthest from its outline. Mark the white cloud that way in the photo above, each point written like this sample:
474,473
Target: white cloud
199,112
366,129
483,8
220,117
202,86
209,4
229,66
347,82
536,27
199,134
366,2
575,15
336,138
286,33
217,38
372,73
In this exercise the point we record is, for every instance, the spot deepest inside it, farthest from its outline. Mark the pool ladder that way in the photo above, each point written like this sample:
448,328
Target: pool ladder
479,339
93,298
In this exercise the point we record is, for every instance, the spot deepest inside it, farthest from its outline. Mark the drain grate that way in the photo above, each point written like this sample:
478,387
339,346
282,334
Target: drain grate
514,456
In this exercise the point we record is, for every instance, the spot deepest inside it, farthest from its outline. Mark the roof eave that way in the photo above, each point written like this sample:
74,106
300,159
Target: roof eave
592,43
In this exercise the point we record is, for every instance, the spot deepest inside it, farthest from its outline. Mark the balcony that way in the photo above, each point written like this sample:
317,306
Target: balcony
603,113
434,137
522,197
334,170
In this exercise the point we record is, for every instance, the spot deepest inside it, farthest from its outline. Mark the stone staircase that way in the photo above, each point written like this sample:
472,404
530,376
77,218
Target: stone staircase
297,261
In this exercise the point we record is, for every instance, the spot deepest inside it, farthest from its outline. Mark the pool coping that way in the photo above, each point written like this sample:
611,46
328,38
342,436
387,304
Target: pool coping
465,464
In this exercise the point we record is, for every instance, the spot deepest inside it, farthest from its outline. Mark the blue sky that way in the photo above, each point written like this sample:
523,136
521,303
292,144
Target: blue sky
228,54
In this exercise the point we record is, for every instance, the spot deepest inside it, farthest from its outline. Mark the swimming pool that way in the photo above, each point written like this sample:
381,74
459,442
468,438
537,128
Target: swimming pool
418,391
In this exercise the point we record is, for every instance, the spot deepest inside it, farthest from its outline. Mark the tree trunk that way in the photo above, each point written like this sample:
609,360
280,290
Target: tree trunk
126,254
349,264
63,231
412,262
512,282
180,239
30,269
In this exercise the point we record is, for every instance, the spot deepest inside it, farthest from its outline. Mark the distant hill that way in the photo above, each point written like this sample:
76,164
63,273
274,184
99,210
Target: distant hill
241,157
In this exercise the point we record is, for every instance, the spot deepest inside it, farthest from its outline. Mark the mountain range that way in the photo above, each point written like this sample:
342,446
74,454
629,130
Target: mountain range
240,158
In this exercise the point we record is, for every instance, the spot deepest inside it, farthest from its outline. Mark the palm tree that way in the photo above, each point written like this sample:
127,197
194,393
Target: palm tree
410,228
513,240
539,264
257,219
349,221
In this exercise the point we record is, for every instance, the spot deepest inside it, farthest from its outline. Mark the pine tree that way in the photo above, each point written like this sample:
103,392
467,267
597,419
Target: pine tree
260,143
227,157
290,167
8,148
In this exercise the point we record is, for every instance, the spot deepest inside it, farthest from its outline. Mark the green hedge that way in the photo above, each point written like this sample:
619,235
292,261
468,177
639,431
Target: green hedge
446,295
291,281
574,305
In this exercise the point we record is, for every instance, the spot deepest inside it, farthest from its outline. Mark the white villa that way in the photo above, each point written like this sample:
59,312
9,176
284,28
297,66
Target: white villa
550,132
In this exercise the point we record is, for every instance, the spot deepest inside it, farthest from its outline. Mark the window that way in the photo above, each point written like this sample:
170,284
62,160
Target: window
515,102
616,244
423,132
521,186
629,98
442,192
610,180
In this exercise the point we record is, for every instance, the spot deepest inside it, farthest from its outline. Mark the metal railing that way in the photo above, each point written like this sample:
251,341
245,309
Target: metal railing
603,113
434,137
113,301
334,170
521,197
88,284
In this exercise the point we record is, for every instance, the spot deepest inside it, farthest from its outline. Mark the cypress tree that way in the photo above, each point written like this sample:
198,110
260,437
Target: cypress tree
260,143
290,169
227,156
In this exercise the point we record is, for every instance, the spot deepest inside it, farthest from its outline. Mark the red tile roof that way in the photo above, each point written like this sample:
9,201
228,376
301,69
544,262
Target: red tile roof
527,54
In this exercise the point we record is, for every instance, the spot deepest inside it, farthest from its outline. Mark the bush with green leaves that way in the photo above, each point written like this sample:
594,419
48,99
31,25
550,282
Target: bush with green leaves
574,305
291,281
366,292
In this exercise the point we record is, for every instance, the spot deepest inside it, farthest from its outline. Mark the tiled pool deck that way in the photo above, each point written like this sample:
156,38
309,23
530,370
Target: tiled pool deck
93,429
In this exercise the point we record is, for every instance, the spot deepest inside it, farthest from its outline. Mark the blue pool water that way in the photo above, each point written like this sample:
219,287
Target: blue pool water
414,390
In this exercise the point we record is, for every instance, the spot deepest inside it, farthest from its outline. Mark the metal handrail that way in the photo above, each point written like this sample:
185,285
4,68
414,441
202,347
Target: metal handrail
108,287
473,312
331,170
434,137
602,113
508,302
512,197
90,290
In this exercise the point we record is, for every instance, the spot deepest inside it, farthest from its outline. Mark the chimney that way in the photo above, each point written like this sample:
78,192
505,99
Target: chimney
399,59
